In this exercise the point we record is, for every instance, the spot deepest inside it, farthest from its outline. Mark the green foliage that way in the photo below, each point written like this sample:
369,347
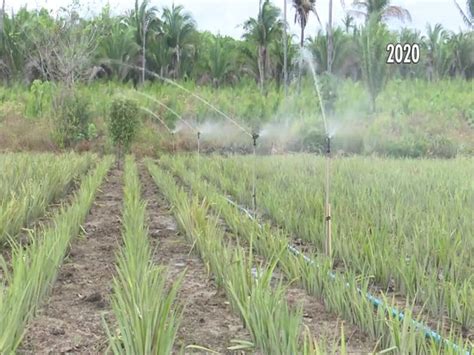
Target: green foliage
123,122
39,99
73,121
372,48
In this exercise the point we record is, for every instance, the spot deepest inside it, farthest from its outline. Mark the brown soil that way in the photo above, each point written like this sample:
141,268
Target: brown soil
326,327
207,320
72,319
323,325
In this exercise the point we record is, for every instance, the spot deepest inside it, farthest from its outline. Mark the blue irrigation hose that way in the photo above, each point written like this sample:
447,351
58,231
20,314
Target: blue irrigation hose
429,333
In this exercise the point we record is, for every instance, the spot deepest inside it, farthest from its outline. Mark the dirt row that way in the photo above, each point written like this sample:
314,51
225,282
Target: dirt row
321,323
72,319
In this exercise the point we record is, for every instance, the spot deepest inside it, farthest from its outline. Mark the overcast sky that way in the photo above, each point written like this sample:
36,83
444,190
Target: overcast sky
226,16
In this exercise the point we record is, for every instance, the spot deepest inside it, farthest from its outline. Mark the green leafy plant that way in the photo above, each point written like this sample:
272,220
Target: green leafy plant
123,123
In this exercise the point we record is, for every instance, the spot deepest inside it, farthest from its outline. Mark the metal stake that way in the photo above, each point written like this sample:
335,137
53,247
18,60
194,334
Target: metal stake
254,187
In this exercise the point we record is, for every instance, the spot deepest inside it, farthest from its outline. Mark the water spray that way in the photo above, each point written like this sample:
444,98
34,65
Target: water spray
163,123
174,113
172,82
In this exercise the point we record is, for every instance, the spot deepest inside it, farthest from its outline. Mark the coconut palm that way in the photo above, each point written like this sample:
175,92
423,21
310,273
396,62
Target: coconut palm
467,15
263,31
144,19
372,44
436,51
219,62
117,48
381,9
178,29
303,8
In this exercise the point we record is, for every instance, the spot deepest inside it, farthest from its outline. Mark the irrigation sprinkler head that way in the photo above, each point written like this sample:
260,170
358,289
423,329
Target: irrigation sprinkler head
199,134
255,136
328,145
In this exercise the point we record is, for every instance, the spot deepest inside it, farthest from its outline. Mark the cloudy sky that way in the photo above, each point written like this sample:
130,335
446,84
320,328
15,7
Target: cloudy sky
226,16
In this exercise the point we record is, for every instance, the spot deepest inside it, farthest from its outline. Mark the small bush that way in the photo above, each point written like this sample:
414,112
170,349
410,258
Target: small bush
123,123
73,120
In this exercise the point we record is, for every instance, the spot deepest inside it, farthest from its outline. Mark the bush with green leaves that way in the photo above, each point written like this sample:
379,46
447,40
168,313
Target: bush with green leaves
123,123
73,122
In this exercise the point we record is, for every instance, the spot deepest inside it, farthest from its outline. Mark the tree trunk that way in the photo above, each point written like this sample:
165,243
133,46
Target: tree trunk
330,51
261,67
285,49
2,17
302,37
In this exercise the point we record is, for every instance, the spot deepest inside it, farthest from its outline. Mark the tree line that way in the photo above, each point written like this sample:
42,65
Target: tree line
69,48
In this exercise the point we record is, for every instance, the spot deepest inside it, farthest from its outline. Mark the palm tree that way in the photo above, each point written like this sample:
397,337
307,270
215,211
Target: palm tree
118,47
178,28
144,19
372,44
462,50
469,14
219,61
303,9
263,31
381,9
435,46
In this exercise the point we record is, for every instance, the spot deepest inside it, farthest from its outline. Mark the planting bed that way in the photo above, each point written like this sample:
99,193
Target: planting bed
150,257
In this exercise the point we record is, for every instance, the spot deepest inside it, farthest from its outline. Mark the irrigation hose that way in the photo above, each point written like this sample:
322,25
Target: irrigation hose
376,302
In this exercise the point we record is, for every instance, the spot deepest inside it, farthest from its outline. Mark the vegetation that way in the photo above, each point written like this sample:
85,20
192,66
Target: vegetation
421,250
30,183
342,292
123,124
145,309
30,273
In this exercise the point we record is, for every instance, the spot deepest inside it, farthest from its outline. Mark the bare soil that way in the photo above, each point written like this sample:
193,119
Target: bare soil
72,318
207,320
323,325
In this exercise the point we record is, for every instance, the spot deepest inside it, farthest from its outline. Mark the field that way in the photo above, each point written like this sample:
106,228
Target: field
160,256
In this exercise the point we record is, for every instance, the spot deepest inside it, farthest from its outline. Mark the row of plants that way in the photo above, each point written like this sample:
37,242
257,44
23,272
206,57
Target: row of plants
343,295
275,328
403,223
29,183
145,307
28,277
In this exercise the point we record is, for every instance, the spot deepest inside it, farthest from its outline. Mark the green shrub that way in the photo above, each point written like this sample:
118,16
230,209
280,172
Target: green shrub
123,123
73,121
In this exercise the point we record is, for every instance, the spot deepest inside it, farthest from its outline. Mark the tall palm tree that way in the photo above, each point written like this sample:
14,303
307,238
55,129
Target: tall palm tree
262,31
303,8
381,9
178,28
144,19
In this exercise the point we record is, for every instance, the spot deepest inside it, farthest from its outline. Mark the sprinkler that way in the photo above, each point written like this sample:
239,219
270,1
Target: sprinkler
254,187
198,148
327,217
